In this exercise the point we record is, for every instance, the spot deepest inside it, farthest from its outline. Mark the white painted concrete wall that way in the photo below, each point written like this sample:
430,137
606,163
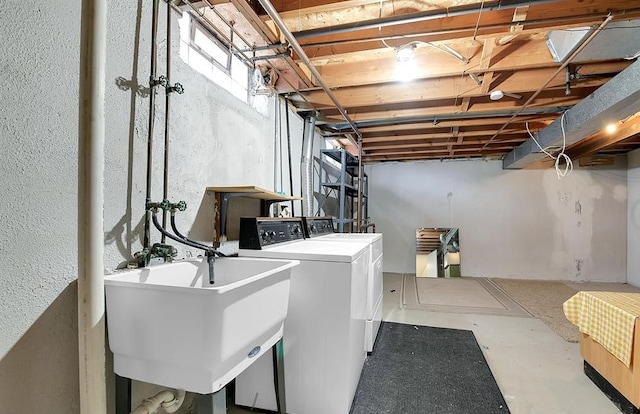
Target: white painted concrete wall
633,230
215,140
513,224
39,61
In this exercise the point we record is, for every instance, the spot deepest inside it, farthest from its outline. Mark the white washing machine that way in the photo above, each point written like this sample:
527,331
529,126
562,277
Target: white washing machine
325,325
321,229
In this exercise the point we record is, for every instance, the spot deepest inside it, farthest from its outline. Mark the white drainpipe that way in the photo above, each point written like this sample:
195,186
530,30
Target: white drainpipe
91,307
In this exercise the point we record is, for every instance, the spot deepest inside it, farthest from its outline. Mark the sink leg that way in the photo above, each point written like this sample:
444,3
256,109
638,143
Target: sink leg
215,403
123,395
278,376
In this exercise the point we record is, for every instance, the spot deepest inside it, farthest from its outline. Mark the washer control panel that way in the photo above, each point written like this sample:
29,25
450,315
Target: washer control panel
317,226
258,232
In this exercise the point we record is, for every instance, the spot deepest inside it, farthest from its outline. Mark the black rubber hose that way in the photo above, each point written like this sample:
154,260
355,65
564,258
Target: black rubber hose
176,238
202,246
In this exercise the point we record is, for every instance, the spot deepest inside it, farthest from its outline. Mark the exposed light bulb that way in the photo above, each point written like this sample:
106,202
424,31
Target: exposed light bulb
406,71
611,128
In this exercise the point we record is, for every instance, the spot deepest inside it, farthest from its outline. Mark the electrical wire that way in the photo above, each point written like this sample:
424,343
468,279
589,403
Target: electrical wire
568,167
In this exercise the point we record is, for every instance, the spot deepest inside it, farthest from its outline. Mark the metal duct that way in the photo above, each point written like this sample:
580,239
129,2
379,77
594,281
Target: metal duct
306,169
616,100
574,52
621,40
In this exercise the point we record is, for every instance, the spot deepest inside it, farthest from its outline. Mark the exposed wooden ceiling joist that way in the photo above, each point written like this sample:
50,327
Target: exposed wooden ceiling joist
442,110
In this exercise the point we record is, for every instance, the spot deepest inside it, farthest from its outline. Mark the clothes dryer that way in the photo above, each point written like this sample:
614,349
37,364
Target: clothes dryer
321,229
325,325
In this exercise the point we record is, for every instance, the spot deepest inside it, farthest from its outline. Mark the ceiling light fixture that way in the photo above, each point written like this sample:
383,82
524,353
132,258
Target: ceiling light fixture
498,94
405,53
611,128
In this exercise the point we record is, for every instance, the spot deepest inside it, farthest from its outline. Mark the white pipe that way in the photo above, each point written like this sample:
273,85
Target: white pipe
166,400
276,146
91,328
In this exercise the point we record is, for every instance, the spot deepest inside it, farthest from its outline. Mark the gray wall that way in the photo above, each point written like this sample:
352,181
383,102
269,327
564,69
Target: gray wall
513,224
215,140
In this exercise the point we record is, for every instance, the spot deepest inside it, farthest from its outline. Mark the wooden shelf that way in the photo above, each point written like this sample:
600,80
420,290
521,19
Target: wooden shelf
251,191
225,193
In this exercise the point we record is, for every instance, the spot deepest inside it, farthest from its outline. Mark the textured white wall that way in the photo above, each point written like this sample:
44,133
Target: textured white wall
633,232
39,56
513,224
215,140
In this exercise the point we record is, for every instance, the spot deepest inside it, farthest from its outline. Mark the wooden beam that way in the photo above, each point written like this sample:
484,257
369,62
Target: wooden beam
518,82
431,150
519,15
390,113
535,121
576,9
486,83
371,68
449,146
497,154
602,140
270,36
464,106
291,8
414,137
487,52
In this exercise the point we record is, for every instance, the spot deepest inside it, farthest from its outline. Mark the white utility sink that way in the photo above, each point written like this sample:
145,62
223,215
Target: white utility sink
168,326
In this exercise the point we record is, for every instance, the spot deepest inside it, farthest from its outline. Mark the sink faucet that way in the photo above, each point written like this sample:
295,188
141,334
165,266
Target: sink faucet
210,251
211,258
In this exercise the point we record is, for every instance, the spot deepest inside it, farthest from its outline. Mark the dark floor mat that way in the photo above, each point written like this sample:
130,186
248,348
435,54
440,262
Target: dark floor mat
423,370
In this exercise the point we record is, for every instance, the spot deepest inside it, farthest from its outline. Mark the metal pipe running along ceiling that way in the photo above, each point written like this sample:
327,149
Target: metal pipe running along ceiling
446,117
277,20
418,17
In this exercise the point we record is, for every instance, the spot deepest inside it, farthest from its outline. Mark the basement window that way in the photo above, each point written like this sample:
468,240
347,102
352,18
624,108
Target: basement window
206,43
207,54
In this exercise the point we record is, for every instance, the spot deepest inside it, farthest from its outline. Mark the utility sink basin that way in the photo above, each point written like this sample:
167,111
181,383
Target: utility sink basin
168,326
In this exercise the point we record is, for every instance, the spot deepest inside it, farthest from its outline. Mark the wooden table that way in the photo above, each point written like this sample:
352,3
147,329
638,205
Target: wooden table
610,337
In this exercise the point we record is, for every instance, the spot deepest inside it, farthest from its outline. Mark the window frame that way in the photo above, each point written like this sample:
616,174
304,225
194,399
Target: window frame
197,25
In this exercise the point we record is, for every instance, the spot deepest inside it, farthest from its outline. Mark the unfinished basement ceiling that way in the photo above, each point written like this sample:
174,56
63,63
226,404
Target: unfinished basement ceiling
523,54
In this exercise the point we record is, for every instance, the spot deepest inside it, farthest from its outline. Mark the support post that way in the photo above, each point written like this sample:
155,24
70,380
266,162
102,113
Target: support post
278,376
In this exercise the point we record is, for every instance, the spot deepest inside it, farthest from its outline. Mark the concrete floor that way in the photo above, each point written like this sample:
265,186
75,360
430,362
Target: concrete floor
537,371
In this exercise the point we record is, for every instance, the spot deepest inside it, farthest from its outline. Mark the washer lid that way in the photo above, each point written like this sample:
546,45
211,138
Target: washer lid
362,237
345,252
